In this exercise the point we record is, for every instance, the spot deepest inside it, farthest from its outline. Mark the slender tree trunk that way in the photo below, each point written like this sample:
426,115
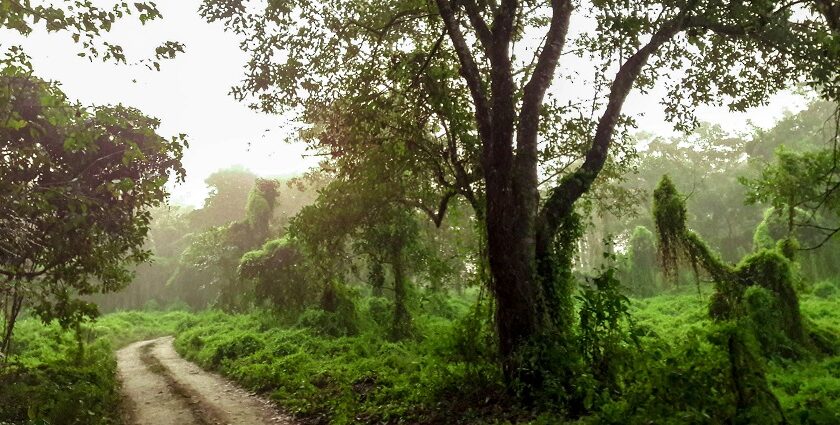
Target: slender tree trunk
376,276
13,307
401,326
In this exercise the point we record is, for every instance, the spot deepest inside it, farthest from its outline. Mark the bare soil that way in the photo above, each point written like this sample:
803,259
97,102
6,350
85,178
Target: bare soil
161,388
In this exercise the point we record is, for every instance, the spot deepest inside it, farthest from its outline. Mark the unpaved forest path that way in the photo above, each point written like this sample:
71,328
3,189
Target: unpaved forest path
161,388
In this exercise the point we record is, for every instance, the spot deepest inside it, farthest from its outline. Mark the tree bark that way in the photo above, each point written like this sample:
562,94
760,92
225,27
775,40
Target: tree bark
401,326
15,303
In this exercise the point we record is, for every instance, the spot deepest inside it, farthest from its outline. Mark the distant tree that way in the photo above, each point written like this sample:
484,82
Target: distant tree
78,185
362,217
640,263
280,275
813,128
229,189
209,264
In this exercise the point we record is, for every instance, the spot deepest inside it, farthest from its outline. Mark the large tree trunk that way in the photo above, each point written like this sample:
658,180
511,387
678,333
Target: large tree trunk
510,254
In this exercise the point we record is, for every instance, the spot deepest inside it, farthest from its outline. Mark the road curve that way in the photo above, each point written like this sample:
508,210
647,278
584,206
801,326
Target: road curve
161,388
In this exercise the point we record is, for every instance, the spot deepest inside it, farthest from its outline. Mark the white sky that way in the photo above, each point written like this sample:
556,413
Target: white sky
190,95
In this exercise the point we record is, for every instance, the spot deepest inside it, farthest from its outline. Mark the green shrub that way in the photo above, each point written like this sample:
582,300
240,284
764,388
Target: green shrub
151,305
238,346
825,289
767,323
379,310
46,380
328,323
440,304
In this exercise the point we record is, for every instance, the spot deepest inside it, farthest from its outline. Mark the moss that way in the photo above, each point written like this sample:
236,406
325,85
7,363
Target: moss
762,237
772,270
769,268
788,247
669,214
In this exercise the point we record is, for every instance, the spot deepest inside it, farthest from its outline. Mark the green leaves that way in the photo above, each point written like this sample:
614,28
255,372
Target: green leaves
79,183
85,23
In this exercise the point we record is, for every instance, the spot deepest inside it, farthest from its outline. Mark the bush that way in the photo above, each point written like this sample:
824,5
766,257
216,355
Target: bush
825,289
767,324
379,310
46,380
440,304
61,393
327,323
238,346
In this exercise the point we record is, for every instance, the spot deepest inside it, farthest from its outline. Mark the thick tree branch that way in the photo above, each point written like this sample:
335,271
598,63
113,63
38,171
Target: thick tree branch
502,28
563,197
482,31
525,169
469,69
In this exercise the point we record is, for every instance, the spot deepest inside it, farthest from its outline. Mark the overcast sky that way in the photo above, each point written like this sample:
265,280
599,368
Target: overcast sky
190,95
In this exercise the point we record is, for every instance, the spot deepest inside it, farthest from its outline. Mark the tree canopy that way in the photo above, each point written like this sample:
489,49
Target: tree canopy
79,183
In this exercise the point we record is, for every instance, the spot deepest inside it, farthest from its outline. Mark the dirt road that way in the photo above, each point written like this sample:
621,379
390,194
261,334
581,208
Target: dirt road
161,388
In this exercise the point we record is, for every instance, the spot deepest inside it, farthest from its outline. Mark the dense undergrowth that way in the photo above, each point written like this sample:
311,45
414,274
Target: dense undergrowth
679,375
322,370
49,379
323,377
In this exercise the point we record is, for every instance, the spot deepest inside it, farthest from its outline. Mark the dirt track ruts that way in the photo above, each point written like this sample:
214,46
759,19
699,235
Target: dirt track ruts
161,388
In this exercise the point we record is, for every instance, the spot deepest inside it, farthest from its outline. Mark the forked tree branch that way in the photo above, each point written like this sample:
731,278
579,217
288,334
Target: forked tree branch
469,69
562,198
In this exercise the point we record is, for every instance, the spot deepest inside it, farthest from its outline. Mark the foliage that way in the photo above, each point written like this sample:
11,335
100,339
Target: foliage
605,332
61,392
280,275
85,23
80,183
47,380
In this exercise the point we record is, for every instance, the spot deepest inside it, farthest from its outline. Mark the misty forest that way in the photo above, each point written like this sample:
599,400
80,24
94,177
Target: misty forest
513,212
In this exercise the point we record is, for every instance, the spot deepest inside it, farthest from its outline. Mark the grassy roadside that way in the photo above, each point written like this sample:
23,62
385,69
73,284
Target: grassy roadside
364,378
47,380
360,378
